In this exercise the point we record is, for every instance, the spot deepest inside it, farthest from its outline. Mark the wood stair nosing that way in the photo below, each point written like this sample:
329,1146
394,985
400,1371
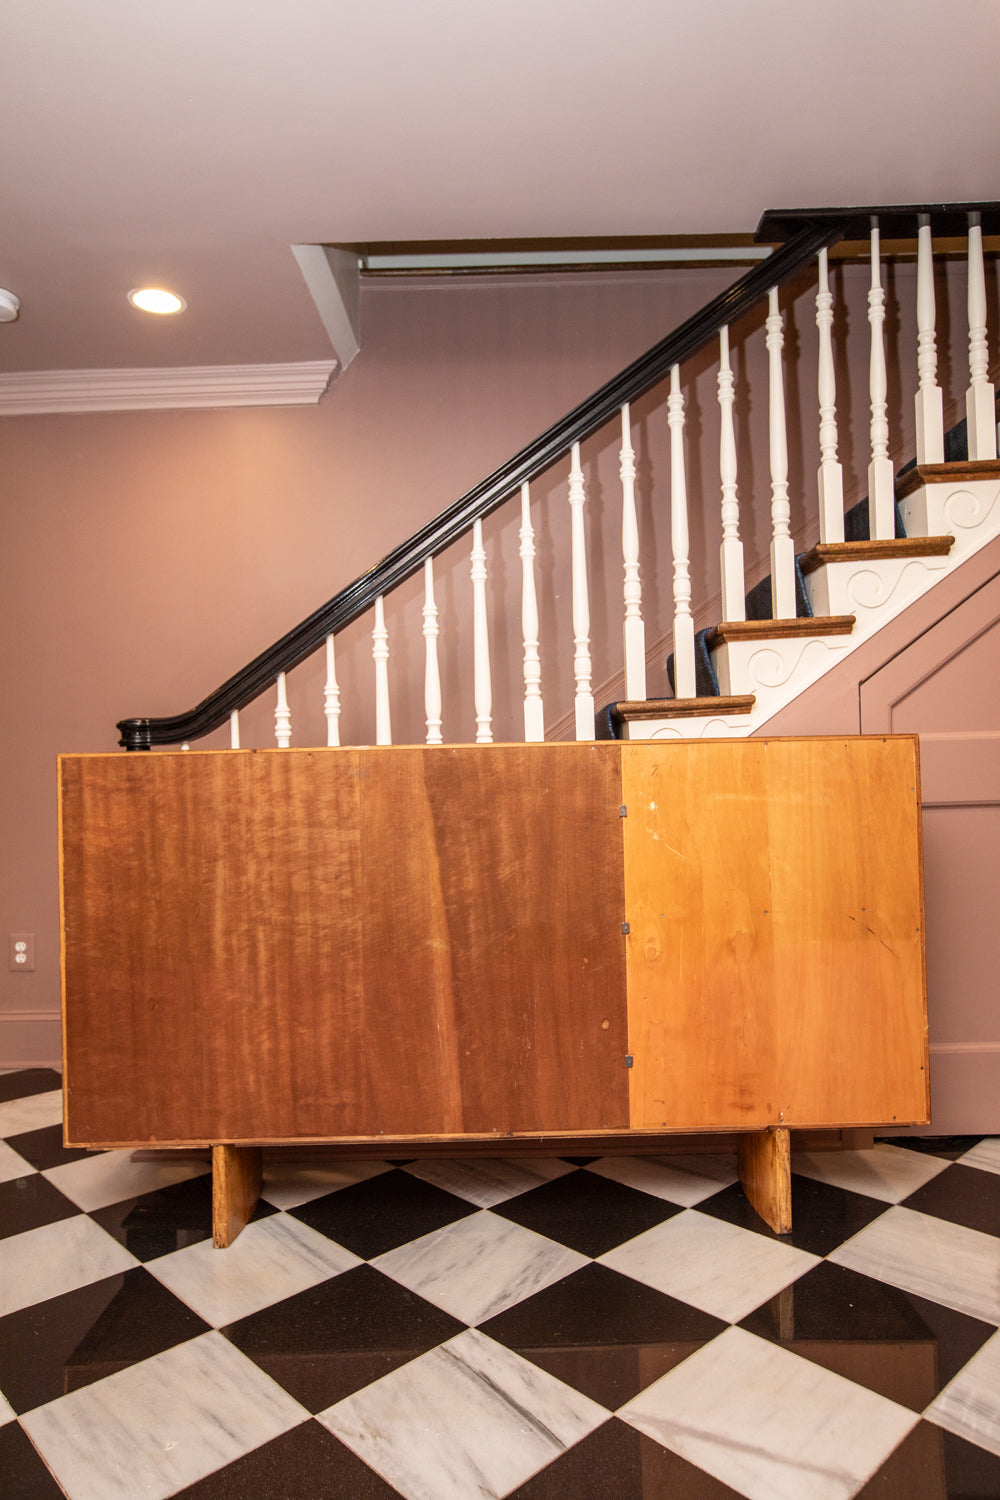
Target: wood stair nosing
635,710
777,630
903,546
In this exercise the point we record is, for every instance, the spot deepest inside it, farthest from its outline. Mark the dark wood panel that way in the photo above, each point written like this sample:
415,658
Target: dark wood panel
211,944
326,944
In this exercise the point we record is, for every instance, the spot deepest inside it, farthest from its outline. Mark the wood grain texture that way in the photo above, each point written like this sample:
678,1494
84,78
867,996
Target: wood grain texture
702,1020
765,1166
954,473
341,943
775,964
237,1173
847,916
903,546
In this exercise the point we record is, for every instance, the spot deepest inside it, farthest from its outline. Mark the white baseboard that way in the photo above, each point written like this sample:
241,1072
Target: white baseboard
30,1039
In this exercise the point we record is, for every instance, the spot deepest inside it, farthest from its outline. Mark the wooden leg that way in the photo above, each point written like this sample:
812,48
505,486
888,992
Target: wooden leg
236,1178
765,1169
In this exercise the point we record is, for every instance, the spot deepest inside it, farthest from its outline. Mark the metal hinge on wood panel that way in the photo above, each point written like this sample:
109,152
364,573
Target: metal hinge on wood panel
629,1060
625,929
622,810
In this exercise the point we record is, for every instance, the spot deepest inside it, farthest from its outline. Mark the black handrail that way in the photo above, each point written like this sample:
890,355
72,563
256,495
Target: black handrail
409,556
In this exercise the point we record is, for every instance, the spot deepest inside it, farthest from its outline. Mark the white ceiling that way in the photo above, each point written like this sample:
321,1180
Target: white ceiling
191,142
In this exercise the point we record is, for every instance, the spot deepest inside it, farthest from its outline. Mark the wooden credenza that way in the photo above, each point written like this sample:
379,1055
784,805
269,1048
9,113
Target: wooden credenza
460,943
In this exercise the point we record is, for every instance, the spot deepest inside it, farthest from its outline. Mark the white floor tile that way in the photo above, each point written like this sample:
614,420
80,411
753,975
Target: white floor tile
889,1173
769,1424
687,1180
160,1425
291,1185
272,1259
716,1266
970,1404
111,1177
479,1266
488,1182
986,1155
18,1116
57,1258
467,1419
947,1263
12,1165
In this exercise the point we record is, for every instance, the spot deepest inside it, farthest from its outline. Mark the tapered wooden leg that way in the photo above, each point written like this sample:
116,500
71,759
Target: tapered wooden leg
236,1179
765,1167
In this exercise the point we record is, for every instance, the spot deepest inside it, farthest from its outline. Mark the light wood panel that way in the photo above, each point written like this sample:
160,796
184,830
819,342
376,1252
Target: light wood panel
775,963
702,1021
847,914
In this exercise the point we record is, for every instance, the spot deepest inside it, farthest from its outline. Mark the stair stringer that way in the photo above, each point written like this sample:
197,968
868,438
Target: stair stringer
776,672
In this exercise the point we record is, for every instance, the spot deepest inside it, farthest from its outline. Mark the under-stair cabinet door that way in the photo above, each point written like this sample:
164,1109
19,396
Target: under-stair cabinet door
775,963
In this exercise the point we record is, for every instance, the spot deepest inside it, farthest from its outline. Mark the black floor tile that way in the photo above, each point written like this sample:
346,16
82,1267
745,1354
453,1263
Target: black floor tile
28,1081
23,1476
29,1202
323,1344
901,1346
931,1464
308,1463
167,1219
44,1148
383,1212
951,1146
962,1195
589,1213
822,1216
617,1463
604,1334
70,1341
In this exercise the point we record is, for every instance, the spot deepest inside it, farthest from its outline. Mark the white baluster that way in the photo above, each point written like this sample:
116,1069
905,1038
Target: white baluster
980,409
633,630
234,729
432,674
282,717
380,655
483,686
684,675
731,551
782,546
331,697
928,400
881,480
830,478
584,697
534,720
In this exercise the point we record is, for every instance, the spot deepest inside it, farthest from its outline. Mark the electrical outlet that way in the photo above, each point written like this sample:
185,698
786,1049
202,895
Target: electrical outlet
21,952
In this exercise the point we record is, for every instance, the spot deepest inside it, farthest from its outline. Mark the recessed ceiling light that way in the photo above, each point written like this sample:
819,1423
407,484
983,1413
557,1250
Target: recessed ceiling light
155,300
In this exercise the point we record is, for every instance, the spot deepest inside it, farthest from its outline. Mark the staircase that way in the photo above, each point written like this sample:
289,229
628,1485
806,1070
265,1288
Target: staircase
777,623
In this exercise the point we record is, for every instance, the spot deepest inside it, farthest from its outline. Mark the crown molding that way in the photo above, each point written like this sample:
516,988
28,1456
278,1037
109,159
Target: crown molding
31,392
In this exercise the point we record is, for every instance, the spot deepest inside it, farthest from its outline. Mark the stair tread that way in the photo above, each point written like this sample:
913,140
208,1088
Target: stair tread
904,546
776,630
969,469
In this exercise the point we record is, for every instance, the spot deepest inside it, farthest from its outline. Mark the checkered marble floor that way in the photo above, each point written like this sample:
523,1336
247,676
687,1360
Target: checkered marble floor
565,1329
